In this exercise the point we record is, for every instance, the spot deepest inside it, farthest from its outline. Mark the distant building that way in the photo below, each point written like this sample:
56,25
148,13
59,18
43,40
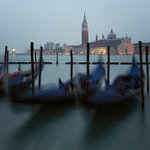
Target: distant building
13,51
136,48
45,51
99,46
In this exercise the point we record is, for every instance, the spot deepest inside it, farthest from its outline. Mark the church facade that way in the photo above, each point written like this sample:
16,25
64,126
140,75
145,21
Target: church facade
119,46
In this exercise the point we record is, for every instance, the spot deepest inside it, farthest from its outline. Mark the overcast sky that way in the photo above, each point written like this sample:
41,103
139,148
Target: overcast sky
23,21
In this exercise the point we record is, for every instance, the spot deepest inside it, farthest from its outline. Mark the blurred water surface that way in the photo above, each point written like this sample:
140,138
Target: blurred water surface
28,127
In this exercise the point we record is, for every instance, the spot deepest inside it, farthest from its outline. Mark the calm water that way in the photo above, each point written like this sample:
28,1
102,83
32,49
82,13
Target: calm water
25,127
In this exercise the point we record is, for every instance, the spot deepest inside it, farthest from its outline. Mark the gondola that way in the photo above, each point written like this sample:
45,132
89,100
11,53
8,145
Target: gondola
96,79
17,80
47,94
22,78
124,87
64,93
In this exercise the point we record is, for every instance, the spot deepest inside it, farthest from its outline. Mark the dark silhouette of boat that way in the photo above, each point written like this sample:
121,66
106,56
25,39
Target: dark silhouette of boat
64,93
16,80
124,87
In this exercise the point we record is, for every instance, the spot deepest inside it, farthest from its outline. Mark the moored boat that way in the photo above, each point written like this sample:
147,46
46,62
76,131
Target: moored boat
124,87
17,80
96,78
46,94
64,93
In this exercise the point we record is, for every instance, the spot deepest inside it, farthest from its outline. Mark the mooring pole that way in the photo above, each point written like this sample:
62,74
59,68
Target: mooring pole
71,65
40,70
5,54
32,66
87,68
57,58
147,69
108,63
141,71
7,60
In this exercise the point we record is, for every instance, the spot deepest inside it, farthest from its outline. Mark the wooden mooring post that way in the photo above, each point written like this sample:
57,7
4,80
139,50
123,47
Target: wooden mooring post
141,71
32,66
40,70
5,58
147,69
87,67
71,65
108,64
7,61
57,58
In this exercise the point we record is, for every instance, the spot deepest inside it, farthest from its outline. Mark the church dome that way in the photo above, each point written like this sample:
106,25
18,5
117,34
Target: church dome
111,35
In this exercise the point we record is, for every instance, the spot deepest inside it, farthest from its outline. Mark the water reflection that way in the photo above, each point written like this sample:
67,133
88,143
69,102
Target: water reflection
144,125
72,127
104,124
44,119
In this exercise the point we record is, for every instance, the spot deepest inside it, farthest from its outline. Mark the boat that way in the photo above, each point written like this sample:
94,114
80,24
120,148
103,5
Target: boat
96,79
17,80
46,94
124,87
22,78
63,93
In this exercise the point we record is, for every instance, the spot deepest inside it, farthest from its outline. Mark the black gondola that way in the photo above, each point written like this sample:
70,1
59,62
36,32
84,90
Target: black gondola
124,87
53,94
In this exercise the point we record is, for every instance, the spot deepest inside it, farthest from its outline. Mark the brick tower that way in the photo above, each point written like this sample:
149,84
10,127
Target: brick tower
85,38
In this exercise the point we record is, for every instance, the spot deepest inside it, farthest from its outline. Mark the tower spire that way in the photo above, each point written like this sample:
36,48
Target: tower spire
85,37
84,18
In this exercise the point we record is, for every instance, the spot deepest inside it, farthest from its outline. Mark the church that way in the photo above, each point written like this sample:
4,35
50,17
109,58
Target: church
120,46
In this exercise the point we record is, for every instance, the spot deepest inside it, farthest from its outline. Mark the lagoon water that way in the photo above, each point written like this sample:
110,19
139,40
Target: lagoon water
40,127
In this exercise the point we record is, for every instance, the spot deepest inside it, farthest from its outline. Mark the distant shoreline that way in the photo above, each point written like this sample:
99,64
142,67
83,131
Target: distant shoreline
74,54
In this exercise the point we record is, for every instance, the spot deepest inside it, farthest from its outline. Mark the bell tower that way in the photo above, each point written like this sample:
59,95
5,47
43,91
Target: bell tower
85,38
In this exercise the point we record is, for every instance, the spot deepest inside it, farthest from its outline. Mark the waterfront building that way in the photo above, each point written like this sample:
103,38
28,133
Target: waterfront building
136,48
120,46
